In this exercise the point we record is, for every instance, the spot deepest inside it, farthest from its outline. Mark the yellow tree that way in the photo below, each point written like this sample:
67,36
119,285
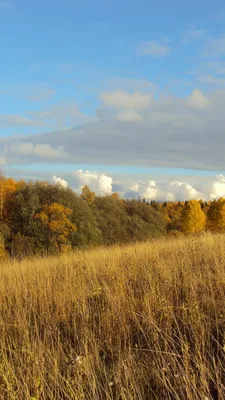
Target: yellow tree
56,226
87,194
216,216
7,187
193,219
115,196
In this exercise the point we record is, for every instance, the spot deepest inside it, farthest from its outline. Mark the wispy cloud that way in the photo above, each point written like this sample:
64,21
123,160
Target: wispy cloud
152,48
10,120
212,80
37,92
41,94
192,33
215,46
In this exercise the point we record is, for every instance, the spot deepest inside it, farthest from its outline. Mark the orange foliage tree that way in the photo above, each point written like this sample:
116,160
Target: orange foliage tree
216,216
193,219
7,187
57,226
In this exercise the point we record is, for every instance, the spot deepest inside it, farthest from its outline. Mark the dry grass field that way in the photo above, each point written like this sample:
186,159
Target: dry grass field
135,322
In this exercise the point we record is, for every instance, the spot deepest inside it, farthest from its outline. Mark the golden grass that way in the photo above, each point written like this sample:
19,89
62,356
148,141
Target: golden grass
135,322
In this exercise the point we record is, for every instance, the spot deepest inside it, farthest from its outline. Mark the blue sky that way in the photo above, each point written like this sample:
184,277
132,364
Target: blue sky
112,79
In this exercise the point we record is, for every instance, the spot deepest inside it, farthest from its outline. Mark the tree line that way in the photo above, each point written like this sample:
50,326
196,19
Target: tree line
42,218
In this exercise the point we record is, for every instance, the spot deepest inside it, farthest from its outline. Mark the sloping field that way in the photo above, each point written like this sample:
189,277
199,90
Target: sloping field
138,322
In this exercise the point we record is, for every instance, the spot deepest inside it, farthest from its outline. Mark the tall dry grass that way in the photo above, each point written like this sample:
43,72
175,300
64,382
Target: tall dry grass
137,322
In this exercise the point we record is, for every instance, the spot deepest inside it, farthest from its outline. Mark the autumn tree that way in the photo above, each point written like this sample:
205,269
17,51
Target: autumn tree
193,219
7,187
3,252
87,195
57,227
115,196
216,216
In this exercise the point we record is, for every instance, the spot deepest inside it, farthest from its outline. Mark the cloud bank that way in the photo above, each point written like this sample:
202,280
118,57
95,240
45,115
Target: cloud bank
138,130
150,189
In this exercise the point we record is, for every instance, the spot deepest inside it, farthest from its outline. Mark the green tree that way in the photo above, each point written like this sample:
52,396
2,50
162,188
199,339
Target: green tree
150,224
111,219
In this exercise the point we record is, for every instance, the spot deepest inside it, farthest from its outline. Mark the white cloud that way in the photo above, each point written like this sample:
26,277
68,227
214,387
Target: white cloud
44,151
184,191
126,100
197,100
208,189
129,115
163,188
191,188
85,177
164,191
100,183
17,120
59,181
105,184
217,188
152,48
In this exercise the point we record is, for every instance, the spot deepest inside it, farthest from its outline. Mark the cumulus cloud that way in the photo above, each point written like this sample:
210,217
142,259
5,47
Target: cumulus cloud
148,189
184,191
152,48
193,188
125,100
163,188
105,184
59,181
85,177
98,182
164,191
209,189
217,188
197,100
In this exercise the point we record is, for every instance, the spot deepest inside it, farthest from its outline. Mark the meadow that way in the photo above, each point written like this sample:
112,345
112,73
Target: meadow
143,321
